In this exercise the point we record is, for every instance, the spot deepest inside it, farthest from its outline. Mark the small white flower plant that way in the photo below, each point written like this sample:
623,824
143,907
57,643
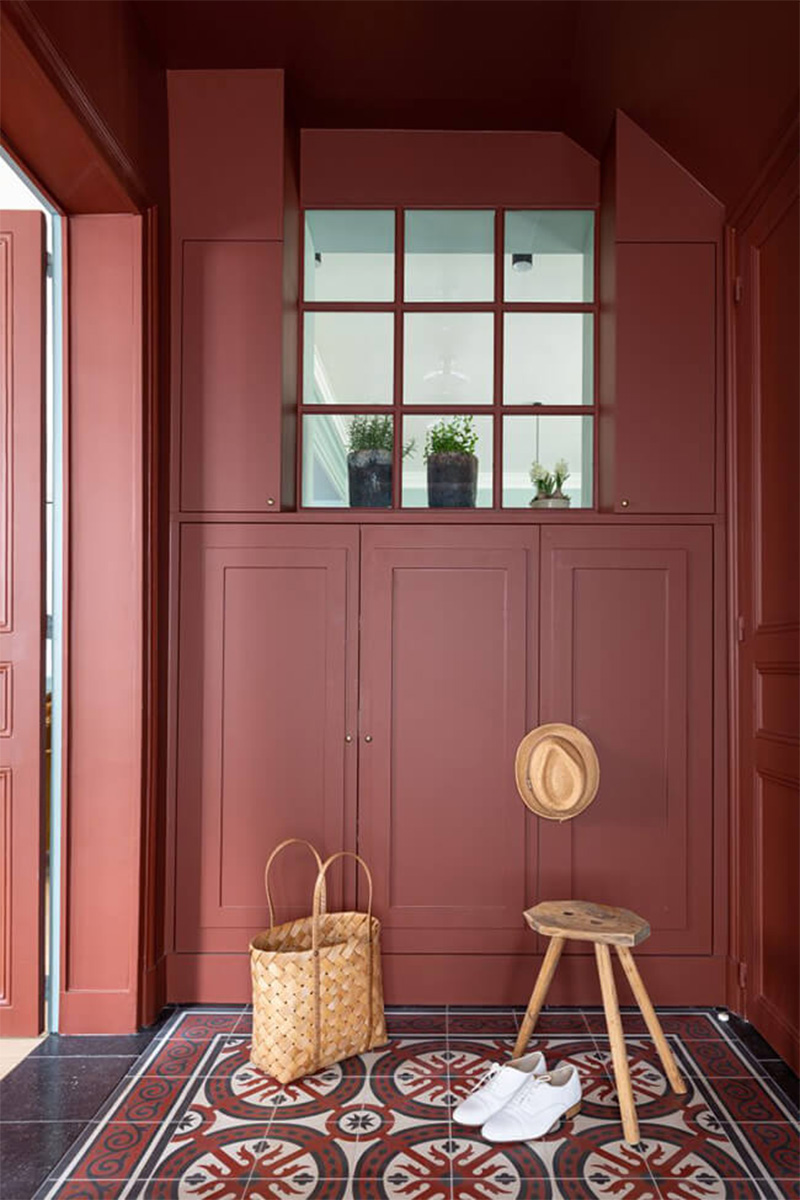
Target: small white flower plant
549,483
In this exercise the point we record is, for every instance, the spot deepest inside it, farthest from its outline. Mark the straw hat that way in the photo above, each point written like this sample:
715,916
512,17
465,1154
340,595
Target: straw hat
557,771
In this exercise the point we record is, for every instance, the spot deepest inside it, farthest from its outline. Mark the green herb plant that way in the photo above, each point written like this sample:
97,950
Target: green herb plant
451,435
374,433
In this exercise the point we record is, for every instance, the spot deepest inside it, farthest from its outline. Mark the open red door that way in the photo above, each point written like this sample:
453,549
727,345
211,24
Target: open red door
768,435
22,548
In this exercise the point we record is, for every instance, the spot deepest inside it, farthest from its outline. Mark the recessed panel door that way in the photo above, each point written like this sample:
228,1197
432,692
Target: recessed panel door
266,701
444,702
626,646
22,381
768,528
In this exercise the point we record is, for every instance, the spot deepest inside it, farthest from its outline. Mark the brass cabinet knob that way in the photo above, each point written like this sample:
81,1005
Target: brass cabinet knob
348,737
367,738
624,503
270,501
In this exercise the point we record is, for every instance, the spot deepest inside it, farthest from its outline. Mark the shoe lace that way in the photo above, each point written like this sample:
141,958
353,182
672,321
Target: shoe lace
518,1100
486,1078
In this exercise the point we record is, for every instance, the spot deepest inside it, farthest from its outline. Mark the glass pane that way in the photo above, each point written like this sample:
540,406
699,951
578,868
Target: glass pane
349,255
449,256
448,358
454,482
347,460
548,358
549,256
348,358
547,441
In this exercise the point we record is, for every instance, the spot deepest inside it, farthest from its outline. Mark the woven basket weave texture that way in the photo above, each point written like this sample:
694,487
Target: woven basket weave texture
317,995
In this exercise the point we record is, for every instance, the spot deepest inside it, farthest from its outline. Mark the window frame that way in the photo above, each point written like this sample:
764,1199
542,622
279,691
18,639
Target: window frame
498,306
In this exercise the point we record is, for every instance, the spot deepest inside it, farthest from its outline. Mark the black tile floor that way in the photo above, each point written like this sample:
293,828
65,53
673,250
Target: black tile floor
118,1097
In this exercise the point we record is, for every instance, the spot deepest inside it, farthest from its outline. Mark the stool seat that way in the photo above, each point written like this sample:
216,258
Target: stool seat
578,920
586,922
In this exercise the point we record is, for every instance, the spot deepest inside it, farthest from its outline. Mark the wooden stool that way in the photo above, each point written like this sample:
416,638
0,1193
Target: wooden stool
584,922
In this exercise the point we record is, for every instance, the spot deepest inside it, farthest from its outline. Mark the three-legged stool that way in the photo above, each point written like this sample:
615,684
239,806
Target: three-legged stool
584,922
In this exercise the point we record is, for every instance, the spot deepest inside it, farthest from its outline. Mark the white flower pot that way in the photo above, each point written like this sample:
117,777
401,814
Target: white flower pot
551,502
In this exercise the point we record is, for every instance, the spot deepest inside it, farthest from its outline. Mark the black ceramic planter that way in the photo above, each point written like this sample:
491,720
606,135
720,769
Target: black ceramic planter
369,474
452,480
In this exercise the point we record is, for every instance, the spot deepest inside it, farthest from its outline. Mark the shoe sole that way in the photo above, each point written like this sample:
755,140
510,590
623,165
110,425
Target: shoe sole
571,1112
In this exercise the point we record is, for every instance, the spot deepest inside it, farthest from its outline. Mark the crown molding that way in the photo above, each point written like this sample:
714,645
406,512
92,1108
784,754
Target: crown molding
73,92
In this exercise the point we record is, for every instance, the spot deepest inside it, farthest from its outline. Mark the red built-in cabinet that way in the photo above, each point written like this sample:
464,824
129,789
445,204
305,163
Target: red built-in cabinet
268,645
364,681
660,332
445,700
626,655
234,209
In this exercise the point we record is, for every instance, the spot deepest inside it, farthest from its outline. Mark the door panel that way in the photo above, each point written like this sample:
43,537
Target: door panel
666,377
768,535
266,696
22,383
443,699
626,656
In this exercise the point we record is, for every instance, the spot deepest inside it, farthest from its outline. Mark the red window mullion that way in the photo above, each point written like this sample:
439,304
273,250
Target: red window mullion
496,409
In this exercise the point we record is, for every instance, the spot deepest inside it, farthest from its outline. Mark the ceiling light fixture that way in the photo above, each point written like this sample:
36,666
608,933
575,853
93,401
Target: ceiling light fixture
522,262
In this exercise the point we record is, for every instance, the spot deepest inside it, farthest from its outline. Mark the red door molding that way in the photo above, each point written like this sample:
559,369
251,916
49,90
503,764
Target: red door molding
22,331
103,807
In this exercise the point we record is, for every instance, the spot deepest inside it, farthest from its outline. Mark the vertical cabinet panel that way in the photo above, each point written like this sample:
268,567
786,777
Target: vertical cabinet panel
266,696
228,170
626,656
232,303
443,700
665,377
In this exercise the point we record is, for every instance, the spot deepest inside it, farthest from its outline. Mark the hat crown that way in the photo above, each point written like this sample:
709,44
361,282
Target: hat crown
557,772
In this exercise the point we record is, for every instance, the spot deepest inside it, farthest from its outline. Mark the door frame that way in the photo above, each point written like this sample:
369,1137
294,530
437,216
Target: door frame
91,177
776,187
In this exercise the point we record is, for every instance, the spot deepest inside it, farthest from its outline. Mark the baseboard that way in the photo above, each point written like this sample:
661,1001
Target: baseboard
468,979
154,992
97,1012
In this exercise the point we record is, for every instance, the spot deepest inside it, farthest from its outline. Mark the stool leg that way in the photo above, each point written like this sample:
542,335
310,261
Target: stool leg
546,972
651,1020
619,1056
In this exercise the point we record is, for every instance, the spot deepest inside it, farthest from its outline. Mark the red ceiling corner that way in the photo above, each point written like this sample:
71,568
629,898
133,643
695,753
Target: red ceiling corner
42,128
657,198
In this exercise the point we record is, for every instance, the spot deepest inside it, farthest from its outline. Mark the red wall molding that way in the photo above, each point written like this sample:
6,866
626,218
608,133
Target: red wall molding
103,812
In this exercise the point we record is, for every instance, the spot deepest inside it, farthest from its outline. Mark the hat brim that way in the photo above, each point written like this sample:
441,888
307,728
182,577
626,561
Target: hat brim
536,799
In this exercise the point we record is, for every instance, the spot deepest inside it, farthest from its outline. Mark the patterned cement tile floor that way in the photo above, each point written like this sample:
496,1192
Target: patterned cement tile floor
179,1112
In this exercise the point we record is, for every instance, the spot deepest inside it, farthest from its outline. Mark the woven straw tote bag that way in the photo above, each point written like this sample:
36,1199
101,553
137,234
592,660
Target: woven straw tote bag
317,987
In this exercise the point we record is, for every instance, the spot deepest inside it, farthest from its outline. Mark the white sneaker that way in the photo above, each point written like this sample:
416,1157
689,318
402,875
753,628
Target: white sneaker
536,1107
497,1087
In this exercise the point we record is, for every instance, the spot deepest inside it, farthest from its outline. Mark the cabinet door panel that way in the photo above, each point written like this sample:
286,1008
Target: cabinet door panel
443,678
266,689
626,656
666,377
230,391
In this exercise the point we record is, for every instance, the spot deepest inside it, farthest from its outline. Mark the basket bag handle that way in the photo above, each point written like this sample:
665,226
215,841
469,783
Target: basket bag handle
318,904
320,873
317,909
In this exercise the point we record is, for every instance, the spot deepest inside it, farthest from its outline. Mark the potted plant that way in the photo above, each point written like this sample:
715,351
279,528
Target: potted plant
549,485
452,464
369,461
